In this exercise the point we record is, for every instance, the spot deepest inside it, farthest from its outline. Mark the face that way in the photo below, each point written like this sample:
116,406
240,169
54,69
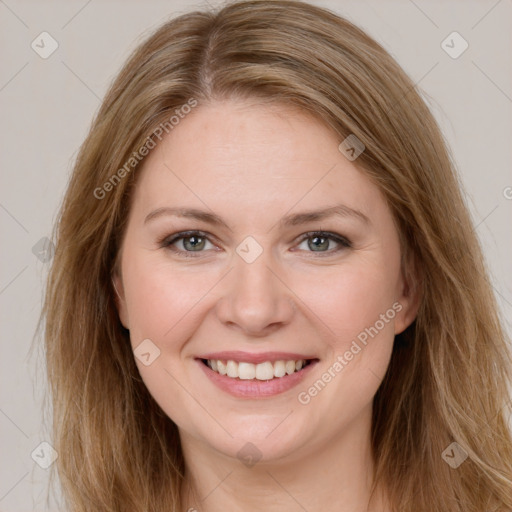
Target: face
299,310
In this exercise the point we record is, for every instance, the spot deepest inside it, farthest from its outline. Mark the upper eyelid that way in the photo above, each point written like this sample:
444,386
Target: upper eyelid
188,233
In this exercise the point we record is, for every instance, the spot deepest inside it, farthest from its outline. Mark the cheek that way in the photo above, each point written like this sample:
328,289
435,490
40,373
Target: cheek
356,303
164,305
359,308
158,294
350,299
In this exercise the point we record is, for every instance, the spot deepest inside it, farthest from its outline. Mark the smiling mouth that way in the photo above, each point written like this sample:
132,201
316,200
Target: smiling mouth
262,371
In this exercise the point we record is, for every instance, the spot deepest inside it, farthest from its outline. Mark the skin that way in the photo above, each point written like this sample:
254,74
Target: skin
252,164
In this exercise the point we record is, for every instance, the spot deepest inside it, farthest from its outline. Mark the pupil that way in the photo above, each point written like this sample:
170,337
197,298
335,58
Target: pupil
193,241
317,238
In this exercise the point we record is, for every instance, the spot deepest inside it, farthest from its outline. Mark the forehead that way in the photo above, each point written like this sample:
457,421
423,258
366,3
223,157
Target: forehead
252,157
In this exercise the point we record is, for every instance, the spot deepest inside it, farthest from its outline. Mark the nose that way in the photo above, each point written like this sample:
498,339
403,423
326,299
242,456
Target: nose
256,299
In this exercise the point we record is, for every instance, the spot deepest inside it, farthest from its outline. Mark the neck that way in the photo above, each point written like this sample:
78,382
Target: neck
337,475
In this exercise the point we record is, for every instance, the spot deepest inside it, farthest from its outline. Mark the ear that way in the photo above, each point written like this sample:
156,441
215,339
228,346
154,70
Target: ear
119,298
409,295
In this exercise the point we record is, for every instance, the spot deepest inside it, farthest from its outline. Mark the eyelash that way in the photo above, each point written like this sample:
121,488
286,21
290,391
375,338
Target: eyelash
168,242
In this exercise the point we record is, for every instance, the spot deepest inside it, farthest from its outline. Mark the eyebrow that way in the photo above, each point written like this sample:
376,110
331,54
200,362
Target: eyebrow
295,219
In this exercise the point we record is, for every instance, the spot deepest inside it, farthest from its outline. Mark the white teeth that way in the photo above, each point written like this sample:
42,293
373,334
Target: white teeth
232,368
246,371
264,371
221,368
250,371
279,369
290,367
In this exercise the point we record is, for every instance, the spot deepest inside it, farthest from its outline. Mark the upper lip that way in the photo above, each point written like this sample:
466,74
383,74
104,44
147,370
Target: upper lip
247,357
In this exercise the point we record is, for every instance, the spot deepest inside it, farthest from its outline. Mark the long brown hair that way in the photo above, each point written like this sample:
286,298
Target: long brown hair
449,372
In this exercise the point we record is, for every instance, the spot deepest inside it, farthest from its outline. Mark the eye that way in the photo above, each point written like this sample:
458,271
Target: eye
319,242
196,242
190,241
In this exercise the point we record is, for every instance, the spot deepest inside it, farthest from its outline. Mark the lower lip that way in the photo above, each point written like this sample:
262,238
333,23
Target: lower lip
256,388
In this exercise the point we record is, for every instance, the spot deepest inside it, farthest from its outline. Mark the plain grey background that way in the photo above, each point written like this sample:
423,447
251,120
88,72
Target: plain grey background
47,105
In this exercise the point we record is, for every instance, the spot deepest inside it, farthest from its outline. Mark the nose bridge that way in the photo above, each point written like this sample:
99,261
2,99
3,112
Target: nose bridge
255,278
255,297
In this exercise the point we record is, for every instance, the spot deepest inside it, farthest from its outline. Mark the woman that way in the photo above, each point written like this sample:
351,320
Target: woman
267,293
